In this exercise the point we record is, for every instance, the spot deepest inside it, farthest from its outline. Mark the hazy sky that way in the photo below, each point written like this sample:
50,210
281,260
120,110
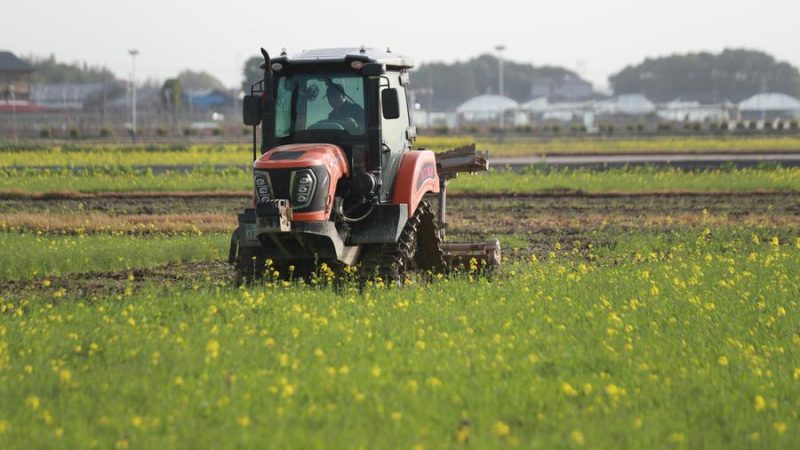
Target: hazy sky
596,38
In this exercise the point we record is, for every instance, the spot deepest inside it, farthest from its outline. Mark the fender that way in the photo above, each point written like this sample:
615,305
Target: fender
328,161
416,177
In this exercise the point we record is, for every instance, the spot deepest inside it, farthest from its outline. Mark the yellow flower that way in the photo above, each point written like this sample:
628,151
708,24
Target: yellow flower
433,382
33,402
243,421
797,373
65,376
462,434
568,390
723,361
577,437
137,421
4,426
501,429
614,391
780,427
376,371
212,349
396,416
677,437
760,403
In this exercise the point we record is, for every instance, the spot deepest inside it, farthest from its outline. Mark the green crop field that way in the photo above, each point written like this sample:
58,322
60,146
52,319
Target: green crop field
665,340
40,255
76,154
631,179
637,308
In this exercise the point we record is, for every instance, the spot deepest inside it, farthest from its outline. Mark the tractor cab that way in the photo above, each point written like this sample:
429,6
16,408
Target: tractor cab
352,98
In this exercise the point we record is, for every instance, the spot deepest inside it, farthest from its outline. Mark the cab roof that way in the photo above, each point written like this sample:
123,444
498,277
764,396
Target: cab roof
334,55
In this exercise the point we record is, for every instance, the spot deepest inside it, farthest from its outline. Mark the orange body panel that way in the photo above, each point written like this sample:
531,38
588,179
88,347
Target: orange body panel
329,155
416,177
332,157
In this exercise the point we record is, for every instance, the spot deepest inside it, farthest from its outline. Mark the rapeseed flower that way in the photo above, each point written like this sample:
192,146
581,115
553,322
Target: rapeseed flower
577,437
501,429
759,403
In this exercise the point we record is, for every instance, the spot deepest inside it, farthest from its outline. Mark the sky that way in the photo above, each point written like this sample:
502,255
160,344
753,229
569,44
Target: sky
594,38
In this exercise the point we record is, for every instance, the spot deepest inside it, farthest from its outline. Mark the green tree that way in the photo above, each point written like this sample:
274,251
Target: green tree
734,74
191,79
252,72
452,84
172,94
48,70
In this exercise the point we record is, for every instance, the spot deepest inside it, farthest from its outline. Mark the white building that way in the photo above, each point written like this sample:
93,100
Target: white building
686,111
770,105
487,108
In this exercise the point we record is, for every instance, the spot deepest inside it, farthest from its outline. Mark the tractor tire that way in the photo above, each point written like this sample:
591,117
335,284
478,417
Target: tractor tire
417,250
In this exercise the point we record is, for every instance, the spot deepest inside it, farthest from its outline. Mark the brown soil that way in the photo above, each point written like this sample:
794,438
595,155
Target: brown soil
91,285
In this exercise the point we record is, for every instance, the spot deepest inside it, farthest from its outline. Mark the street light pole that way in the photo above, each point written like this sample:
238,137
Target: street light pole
500,80
133,53
12,91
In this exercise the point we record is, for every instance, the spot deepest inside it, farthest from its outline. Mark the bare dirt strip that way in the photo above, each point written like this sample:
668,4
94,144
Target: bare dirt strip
87,286
467,213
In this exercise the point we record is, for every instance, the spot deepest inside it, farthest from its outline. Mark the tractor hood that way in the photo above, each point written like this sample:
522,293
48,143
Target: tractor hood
293,156
304,174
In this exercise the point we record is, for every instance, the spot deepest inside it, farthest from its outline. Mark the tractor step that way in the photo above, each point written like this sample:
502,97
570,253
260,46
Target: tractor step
461,254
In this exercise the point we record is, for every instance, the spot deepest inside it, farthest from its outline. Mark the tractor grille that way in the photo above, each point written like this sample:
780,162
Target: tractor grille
280,180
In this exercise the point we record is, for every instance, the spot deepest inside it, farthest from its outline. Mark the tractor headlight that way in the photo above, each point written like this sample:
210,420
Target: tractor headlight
304,184
263,186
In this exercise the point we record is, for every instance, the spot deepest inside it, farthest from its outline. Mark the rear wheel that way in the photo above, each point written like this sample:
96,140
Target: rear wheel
417,250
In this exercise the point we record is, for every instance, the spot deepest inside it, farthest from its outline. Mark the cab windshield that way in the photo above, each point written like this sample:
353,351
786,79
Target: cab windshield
308,103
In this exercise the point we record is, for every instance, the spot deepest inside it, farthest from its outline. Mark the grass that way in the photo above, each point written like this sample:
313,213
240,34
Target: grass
241,154
664,340
93,222
633,179
521,146
37,255
120,179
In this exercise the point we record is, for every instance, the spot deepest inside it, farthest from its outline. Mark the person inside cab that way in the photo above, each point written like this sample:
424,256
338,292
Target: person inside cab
343,110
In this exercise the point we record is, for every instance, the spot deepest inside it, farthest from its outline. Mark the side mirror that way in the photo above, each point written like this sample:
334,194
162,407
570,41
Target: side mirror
251,110
390,104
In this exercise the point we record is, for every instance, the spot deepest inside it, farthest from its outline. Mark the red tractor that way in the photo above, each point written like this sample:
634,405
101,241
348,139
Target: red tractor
338,180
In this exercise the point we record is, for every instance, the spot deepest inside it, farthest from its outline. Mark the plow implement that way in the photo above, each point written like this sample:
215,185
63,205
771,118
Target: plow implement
462,255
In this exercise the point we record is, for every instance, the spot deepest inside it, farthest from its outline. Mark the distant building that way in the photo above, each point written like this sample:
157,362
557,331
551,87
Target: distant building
487,109
566,88
626,104
66,96
15,78
198,99
770,106
693,111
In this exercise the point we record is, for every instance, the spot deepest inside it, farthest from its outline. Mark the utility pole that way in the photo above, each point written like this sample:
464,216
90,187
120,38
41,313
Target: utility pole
104,97
500,80
13,93
133,54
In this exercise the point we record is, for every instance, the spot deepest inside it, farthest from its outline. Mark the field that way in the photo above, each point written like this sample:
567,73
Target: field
637,308
78,154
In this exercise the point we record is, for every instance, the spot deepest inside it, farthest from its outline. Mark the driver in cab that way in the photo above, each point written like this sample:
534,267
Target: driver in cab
342,109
